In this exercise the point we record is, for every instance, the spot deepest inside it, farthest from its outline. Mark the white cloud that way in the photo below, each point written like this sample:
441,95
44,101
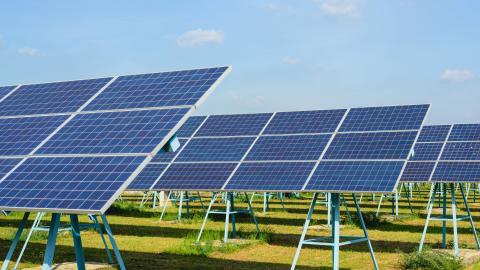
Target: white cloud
28,51
198,37
457,75
290,60
341,8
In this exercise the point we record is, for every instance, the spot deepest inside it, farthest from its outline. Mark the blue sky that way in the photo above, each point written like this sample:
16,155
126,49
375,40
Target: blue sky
286,55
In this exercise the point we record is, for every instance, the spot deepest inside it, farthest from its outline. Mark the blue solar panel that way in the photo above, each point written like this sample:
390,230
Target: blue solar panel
378,145
270,176
19,136
215,149
457,172
461,151
59,97
66,183
163,156
385,118
418,171
325,121
427,151
356,176
195,176
436,133
234,125
114,132
147,177
289,147
465,132
158,89
7,164
190,126
4,90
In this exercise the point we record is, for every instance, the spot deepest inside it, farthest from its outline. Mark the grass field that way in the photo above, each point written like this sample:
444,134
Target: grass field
146,243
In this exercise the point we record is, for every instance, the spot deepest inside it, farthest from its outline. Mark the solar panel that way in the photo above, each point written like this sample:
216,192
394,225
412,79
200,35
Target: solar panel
426,151
461,151
378,145
418,171
195,176
385,118
325,121
58,97
79,184
309,153
457,172
178,88
270,176
92,137
215,149
114,132
19,136
163,156
190,126
293,147
435,133
465,132
5,90
148,176
234,125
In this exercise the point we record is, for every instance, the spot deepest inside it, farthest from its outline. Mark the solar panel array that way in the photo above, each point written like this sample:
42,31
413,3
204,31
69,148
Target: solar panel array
354,150
446,153
73,147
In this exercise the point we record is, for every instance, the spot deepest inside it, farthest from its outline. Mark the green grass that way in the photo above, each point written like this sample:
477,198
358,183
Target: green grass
431,260
147,244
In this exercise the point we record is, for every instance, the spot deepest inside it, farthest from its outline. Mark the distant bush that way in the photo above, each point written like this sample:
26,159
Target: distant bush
431,260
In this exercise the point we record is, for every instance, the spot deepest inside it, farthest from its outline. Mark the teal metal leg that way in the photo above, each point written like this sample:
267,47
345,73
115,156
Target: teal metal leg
349,216
470,215
430,207
214,198
360,217
336,230
77,242
100,231
187,204
121,264
52,238
379,205
15,240
227,221
201,203
454,219
165,205
250,208
35,224
180,208
305,229
444,216
232,210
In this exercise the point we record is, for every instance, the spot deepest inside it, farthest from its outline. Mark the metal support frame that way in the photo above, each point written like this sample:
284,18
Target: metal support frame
394,198
335,241
53,229
266,200
181,199
230,214
444,218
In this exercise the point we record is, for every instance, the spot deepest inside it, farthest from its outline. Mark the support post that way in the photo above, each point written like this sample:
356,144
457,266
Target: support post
77,242
227,216
121,264
454,219
444,216
430,207
100,231
336,230
15,240
52,238
304,232
214,198
365,232
467,208
250,208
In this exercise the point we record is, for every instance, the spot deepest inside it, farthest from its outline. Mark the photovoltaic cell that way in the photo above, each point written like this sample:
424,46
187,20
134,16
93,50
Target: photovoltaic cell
195,176
189,127
66,183
457,172
215,149
435,133
19,136
157,90
4,90
426,151
114,132
355,176
271,176
291,147
461,151
385,118
148,176
465,132
59,97
234,125
418,171
325,121
163,156
377,145
7,164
